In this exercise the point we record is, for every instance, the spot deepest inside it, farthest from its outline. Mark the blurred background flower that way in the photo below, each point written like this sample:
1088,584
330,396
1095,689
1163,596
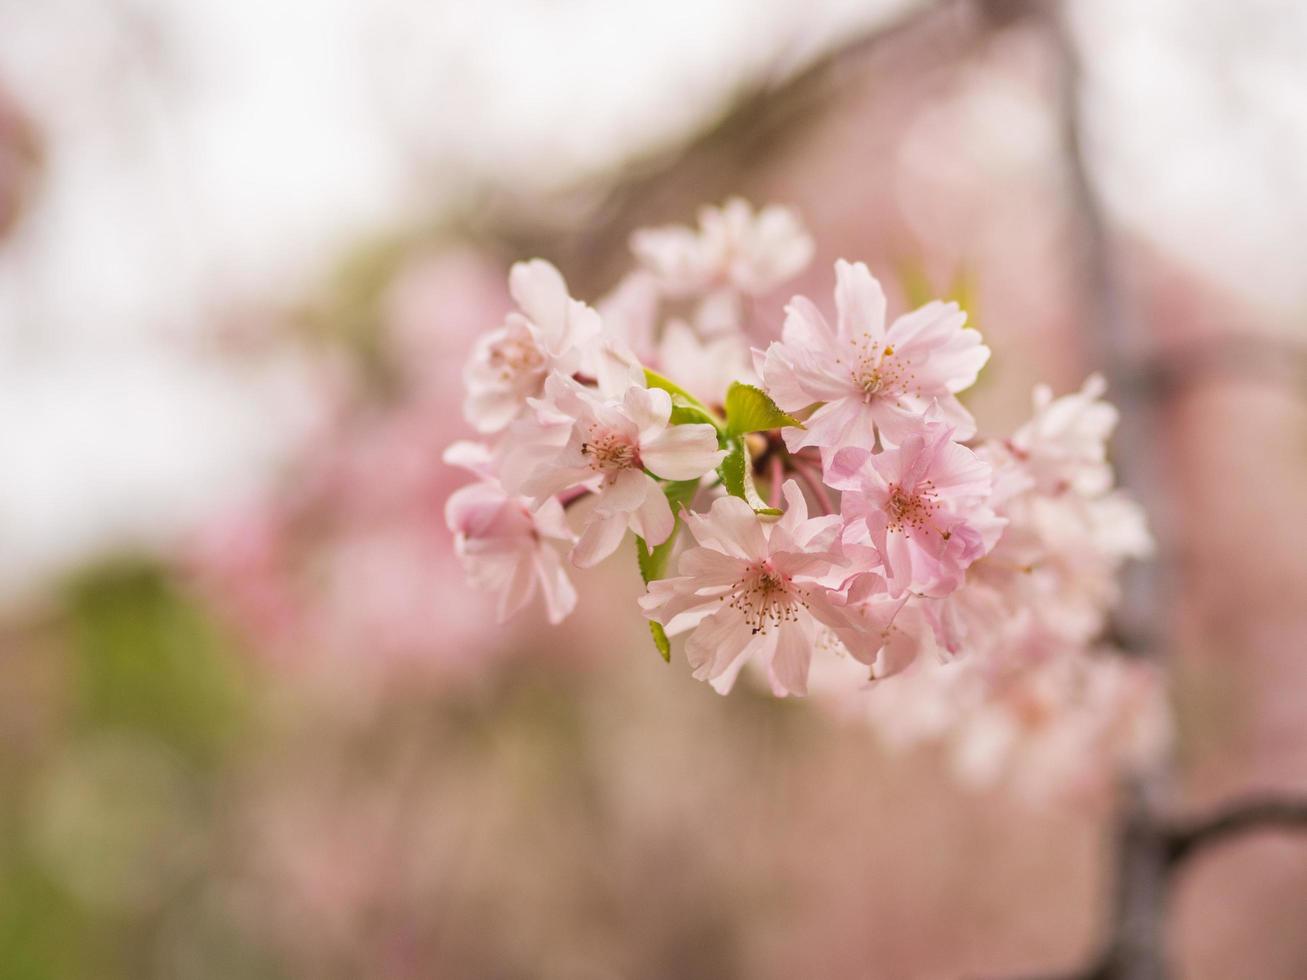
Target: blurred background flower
252,721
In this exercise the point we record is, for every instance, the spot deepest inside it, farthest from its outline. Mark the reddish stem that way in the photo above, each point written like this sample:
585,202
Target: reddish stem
568,497
777,478
813,482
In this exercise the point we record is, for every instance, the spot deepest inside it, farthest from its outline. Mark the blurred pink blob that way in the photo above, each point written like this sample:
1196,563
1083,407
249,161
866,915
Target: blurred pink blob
349,556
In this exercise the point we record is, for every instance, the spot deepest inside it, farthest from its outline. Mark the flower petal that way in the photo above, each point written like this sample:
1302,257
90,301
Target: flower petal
682,452
731,527
599,539
860,301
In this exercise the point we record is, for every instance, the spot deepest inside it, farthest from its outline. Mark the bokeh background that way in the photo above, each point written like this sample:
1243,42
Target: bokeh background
253,724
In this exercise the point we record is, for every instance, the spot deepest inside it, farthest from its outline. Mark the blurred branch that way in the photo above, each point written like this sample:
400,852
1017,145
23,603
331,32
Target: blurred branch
1269,813
1257,358
766,117
1132,949
1149,853
1146,850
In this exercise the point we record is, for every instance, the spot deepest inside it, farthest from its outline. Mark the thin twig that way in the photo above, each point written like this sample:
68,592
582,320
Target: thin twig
813,482
1270,813
777,477
1132,948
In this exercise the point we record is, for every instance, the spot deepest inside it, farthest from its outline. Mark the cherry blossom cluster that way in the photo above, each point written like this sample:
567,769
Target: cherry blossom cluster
817,508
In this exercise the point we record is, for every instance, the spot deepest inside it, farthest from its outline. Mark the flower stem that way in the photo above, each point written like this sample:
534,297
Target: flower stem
813,482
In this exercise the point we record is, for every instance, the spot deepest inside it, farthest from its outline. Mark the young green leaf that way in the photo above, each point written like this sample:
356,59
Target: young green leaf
685,407
750,409
736,471
690,415
653,562
660,640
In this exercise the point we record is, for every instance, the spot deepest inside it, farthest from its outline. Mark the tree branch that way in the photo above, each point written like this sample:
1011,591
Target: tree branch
1181,842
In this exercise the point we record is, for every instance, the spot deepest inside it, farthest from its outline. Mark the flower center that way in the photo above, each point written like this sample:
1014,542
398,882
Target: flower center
874,370
910,509
766,599
609,452
515,355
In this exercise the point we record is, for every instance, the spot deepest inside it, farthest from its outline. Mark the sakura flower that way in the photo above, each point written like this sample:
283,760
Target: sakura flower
580,439
1059,729
510,364
1064,446
504,544
868,378
733,247
752,591
923,507
878,631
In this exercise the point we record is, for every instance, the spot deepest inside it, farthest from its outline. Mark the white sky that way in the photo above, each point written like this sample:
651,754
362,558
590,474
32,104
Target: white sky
230,150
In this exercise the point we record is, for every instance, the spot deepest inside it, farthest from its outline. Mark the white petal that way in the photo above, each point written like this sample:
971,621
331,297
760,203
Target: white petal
649,409
559,593
599,539
520,588
682,452
653,519
537,287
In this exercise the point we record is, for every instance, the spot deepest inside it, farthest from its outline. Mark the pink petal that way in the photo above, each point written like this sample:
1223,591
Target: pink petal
790,662
732,527
805,327
710,569
717,644
859,300
676,604
845,422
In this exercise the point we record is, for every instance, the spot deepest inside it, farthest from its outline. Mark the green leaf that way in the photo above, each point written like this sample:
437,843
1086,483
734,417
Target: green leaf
736,471
660,640
653,561
691,409
679,494
750,409
655,380
690,415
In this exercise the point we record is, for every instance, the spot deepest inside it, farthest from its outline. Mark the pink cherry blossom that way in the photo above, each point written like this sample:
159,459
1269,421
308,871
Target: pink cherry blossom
867,378
1059,729
580,439
510,364
1065,444
752,590
733,247
504,543
923,507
